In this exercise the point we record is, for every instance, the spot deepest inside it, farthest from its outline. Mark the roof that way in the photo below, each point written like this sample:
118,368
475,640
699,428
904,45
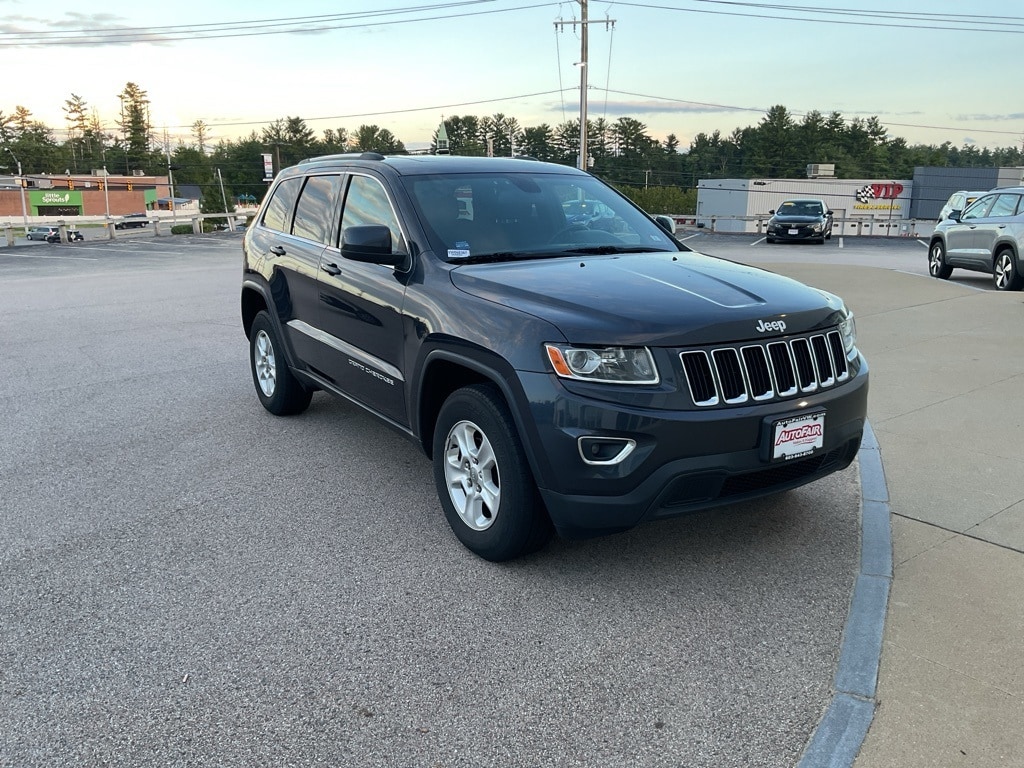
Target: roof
411,165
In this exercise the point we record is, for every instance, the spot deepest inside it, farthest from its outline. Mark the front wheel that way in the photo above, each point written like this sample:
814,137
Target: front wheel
937,266
276,386
483,480
1005,275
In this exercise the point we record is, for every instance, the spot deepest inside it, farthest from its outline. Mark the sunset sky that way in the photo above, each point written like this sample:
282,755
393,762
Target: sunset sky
930,71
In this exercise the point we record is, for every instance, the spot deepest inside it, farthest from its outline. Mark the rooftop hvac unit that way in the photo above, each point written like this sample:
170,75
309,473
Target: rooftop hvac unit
138,172
822,170
100,172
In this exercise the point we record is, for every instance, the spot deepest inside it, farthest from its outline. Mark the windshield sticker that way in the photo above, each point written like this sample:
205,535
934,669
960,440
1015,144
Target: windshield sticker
460,251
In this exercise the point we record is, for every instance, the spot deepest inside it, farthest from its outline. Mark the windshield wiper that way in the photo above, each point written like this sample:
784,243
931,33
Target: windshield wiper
484,258
600,250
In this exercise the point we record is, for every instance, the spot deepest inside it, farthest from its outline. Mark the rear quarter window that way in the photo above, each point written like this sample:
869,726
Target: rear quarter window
279,209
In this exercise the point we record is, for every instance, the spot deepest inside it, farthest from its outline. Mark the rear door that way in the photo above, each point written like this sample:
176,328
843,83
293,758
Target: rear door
292,260
995,224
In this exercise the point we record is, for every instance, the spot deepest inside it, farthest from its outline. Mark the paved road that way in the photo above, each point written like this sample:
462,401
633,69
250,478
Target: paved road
186,580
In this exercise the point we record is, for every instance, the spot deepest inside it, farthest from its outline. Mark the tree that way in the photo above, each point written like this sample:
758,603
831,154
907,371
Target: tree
77,118
135,126
200,132
373,138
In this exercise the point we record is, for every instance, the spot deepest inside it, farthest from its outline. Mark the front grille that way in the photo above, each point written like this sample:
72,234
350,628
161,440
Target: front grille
734,375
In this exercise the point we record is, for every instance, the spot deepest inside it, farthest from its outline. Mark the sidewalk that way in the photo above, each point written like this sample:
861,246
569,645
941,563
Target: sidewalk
947,367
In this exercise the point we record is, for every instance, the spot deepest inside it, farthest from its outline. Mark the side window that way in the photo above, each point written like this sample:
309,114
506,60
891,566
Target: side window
1005,205
978,208
314,213
367,203
279,210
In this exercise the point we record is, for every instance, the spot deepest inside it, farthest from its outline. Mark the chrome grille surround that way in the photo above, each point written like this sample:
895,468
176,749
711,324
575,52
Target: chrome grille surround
771,370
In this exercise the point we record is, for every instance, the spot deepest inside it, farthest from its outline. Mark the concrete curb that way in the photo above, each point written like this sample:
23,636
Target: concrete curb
841,730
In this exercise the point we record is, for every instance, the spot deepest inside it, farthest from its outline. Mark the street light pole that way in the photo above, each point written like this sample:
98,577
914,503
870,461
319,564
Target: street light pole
21,186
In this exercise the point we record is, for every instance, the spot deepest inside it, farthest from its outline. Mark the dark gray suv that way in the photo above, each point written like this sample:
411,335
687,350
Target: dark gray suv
987,237
577,373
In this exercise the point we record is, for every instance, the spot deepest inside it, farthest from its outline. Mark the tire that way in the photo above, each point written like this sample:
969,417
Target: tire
937,266
276,386
484,482
1005,276
769,240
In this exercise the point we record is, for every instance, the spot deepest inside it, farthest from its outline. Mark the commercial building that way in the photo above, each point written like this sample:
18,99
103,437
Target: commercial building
875,206
35,196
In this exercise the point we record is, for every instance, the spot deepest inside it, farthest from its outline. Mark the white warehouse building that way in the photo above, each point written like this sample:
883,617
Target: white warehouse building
859,206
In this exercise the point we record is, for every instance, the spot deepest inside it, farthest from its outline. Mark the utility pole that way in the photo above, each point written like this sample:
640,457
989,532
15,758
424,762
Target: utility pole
584,23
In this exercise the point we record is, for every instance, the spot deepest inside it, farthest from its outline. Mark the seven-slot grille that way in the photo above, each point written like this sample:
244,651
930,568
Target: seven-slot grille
765,371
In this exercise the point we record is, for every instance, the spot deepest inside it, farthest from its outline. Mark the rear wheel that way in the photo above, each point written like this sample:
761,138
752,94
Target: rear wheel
1005,274
484,482
277,388
937,266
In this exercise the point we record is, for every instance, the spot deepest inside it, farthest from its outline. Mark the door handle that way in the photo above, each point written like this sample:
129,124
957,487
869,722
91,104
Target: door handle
278,250
331,268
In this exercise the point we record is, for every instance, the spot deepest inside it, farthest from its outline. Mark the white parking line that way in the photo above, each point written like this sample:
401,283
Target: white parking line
922,242
757,242
47,256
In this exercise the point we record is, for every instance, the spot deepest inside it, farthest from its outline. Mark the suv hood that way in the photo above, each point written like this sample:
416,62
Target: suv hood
659,299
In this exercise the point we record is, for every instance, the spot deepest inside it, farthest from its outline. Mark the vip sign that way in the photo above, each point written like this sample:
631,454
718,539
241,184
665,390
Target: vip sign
869,194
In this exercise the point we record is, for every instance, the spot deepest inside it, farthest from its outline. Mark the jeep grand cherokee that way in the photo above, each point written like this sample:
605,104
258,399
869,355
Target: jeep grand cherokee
584,374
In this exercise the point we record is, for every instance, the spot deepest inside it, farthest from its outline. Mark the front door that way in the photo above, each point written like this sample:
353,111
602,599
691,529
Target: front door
360,309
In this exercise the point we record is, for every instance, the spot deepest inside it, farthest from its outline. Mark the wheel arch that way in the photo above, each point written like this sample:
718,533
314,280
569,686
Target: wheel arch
444,371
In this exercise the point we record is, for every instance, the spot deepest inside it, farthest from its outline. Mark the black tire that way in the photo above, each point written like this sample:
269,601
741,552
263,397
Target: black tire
1005,275
484,482
276,386
937,266
769,240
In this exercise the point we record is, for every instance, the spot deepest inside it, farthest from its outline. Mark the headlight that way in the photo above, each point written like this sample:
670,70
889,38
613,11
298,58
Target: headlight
848,329
612,365
818,227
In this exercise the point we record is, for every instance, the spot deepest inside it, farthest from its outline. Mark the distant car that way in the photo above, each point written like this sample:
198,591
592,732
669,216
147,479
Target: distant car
132,221
987,237
808,220
73,235
42,233
958,201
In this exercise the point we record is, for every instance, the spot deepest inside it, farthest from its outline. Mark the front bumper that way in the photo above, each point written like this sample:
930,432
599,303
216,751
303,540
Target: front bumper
682,461
797,232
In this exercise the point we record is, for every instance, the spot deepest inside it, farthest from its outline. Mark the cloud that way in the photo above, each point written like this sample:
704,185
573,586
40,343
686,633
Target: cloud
993,118
618,108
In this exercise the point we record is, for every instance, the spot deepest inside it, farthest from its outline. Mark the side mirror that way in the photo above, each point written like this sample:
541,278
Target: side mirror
370,243
667,223
771,212
828,213
954,215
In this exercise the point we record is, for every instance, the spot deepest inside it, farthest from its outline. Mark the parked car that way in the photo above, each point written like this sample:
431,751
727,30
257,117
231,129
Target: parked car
987,237
958,202
561,375
42,233
73,235
132,221
807,220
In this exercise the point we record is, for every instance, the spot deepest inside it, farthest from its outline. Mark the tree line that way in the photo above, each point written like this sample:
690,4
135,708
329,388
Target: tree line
660,175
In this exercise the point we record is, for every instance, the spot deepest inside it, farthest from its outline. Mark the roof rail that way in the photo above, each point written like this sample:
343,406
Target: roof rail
344,156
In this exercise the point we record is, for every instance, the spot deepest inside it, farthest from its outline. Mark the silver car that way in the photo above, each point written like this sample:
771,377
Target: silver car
987,237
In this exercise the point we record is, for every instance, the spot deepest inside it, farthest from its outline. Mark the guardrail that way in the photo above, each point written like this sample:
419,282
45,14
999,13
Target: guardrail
848,227
161,225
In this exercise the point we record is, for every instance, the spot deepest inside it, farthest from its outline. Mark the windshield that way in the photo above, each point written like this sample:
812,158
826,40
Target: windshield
800,208
529,215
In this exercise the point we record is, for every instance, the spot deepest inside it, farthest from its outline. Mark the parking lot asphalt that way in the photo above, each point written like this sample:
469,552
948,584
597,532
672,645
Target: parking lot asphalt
189,581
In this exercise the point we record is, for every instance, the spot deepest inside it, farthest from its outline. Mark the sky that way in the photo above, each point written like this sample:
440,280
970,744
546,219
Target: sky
931,71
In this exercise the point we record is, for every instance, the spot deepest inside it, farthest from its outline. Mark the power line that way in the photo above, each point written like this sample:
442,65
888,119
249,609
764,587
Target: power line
954,23
218,30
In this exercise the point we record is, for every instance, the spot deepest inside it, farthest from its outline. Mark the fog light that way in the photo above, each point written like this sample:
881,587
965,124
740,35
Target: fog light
603,451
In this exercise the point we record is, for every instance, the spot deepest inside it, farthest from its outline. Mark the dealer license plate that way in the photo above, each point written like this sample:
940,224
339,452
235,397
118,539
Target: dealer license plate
794,231
798,436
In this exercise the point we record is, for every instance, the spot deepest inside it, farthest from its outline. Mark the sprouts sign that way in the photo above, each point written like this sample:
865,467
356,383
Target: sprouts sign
55,202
